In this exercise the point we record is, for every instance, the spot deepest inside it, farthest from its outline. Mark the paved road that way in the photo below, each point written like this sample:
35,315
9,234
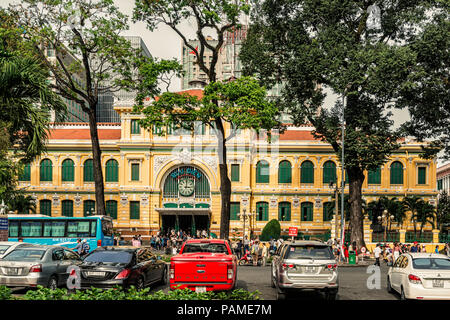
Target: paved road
353,285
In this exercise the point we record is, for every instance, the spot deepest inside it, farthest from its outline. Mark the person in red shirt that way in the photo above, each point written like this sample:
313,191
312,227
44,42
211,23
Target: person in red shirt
346,253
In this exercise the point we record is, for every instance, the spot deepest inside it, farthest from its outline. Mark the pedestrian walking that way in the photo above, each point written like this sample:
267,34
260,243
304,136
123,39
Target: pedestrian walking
264,254
79,247
377,254
255,249
436,249
135,242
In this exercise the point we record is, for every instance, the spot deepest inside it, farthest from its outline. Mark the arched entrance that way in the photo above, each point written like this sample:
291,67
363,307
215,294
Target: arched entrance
185,201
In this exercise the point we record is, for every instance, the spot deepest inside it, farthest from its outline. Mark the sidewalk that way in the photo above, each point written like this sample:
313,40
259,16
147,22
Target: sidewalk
360,263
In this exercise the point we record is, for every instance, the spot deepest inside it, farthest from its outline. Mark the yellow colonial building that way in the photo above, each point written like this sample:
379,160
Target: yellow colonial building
172,181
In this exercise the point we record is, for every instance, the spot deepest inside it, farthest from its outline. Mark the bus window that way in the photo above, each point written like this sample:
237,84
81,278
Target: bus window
13,229
107,227
31,229
93,228
78,229
54,229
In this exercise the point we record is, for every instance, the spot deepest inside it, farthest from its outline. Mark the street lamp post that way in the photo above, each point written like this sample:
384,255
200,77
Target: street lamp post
385,220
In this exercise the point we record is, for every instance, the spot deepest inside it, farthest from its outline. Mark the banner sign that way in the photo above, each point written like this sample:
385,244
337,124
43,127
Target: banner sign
186,171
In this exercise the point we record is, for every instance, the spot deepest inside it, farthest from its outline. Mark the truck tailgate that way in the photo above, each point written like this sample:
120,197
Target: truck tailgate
208,267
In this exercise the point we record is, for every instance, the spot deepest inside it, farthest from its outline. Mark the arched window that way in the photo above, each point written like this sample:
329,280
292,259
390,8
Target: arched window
26,174
111,208
46,170
89,207
67,208
262,172
285,172
262,211
307,172
112,171
328,210
396,173
284,211
45,207
88,171
307,211
329,172
68,170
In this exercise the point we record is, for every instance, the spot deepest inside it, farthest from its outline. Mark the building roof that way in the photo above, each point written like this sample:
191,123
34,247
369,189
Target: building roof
443,170
83,134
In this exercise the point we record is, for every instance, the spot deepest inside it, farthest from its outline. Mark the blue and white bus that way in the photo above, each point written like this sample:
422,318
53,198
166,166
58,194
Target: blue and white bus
63,231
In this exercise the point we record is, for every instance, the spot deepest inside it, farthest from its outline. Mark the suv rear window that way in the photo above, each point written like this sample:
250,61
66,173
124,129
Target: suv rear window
205,247
309,251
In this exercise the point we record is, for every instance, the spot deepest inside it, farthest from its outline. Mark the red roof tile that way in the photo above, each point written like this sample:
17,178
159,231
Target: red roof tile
83,134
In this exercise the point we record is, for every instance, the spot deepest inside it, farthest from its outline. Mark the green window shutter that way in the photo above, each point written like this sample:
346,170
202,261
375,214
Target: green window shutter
307,172
285,172
374,176
156,130
135,127
88,171
134,210
422,175
329,172
199,128
45,207
262,172
307,211
26,174
68,170
396,173
328,208
46,170
235,174
67,208
235,208
112,171
262,211
284,211
439,184
135,171
88,207
111,208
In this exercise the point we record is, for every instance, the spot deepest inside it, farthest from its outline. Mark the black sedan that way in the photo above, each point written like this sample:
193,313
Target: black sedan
106,267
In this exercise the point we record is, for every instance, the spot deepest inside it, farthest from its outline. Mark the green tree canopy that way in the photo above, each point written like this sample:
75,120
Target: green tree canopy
272,230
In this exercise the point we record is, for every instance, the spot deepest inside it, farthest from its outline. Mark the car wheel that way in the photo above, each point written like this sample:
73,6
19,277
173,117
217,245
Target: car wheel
389,287
242,262
52,283
140,283
164,277
402,294
331,295
281,296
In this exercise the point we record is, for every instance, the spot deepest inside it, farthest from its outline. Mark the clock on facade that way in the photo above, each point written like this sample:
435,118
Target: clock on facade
186,187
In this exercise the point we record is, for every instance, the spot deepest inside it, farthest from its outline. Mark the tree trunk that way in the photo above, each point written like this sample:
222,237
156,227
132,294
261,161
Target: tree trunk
356,179
225,183
97,164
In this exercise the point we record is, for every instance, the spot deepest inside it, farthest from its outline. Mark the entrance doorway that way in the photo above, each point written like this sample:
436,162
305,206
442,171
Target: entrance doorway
188,223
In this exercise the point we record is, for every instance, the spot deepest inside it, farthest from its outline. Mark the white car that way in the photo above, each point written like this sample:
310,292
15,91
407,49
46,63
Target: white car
8,246
420,276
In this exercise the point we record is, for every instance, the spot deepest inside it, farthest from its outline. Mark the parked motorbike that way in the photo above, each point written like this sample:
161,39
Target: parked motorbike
247,259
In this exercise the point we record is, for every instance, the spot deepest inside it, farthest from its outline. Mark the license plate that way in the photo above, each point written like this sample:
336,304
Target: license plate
13,270
310,270
200,289
438,283
95,274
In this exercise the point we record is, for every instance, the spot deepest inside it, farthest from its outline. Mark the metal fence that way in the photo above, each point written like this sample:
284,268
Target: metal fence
392,236
410,236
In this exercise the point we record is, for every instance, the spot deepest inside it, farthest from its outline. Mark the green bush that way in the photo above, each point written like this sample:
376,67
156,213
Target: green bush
5,293
271,230
118,293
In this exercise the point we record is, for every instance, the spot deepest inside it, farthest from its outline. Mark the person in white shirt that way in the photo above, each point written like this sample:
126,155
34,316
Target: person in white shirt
377,253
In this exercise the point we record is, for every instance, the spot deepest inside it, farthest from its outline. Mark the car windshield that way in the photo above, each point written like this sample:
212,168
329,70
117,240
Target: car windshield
3,248
309,252
431,263
205,247
110,257
24,255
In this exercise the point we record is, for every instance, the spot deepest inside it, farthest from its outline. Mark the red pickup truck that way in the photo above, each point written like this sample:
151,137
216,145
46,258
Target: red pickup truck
204,265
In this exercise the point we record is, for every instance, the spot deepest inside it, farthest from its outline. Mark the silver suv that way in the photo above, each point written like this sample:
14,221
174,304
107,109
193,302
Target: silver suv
301,265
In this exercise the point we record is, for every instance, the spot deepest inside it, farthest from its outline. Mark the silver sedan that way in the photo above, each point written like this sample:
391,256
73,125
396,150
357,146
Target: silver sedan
37,265
8,246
